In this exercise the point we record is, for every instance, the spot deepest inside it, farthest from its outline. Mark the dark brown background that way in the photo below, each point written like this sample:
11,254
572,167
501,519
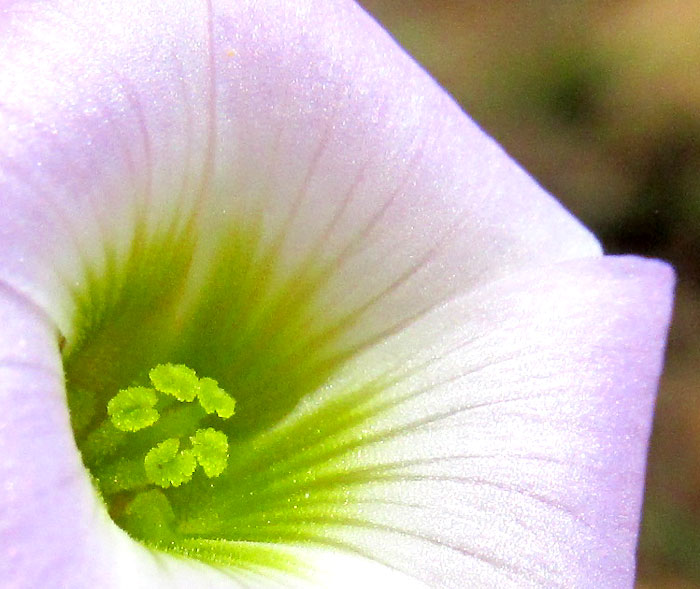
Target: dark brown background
600,101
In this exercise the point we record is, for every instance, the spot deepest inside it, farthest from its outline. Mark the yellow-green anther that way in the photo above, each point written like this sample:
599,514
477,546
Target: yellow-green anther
133,409
213,398
175,379
211,450
166,466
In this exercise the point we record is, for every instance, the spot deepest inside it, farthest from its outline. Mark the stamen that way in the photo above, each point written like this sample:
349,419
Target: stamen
151,440
210,447
175,379
212,398
166,467
133,409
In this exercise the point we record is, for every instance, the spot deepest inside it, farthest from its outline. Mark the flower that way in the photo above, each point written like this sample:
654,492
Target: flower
438,378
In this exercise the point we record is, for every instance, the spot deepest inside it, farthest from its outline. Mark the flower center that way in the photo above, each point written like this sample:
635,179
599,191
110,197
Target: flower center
161,337
126,463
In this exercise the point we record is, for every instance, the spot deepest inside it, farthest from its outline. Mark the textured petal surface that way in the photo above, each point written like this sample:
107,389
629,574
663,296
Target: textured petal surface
525,422
516,387
510,451
55,532
302,118
47,505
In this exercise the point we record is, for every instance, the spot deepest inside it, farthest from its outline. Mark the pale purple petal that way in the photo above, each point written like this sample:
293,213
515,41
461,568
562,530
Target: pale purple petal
47,506
54,531
526,362
511,450
303,114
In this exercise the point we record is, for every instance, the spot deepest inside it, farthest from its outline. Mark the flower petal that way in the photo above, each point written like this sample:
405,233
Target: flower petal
47,503
53,527
510,451
301,117
304,121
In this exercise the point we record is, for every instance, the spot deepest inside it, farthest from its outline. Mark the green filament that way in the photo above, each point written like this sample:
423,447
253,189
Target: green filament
123,475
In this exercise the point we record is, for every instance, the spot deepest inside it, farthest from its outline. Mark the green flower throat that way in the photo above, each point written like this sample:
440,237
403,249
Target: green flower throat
173,410
163,340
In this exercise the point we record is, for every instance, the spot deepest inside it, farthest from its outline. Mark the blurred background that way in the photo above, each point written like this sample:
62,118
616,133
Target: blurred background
600,101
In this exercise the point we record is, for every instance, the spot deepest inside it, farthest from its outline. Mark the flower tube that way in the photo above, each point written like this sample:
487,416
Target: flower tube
277,313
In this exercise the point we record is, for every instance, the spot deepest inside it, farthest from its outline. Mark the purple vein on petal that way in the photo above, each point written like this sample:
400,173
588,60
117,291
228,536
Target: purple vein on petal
189,129
517,572
351,318
324,235
132,97
360,240
302,190
209,165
